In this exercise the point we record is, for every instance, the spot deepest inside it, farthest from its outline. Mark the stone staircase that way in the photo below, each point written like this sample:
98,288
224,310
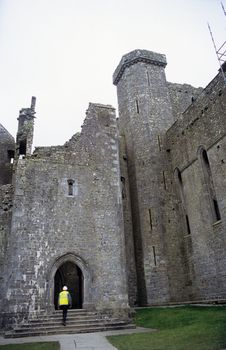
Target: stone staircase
78,321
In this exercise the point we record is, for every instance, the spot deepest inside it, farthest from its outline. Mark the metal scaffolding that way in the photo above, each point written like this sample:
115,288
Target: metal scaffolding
221,52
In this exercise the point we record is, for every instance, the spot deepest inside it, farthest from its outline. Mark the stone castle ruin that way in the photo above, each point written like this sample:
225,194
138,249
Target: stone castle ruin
129,212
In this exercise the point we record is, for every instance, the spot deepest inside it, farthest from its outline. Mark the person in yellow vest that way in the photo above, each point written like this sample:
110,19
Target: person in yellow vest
64,302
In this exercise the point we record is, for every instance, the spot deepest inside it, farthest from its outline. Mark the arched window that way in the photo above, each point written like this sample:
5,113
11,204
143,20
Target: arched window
180,188
209,185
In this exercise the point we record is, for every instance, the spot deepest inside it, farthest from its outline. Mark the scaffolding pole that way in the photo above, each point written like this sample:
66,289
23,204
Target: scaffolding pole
223,8
221,52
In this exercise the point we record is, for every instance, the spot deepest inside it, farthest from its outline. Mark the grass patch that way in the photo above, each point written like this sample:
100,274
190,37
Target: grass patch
32,346
180,328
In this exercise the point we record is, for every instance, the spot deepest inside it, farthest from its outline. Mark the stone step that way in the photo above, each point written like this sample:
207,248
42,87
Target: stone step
72,314
69,317
78,321
33,323
67,330
76,311
69,325
46,323
59,317
72,311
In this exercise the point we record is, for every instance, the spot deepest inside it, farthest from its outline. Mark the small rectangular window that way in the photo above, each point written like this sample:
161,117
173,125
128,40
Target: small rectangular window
70,187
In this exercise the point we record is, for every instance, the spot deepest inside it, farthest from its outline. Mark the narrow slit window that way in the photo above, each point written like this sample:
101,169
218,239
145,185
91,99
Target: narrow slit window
180,178
150,218
217,211
205,158
154,255
137,106
148,78
164,179
70,187
159,143
188,225
123,180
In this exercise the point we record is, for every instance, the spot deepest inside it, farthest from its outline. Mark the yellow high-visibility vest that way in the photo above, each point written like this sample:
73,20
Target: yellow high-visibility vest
63,298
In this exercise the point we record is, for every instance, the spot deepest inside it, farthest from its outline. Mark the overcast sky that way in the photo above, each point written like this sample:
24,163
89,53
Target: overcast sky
64,52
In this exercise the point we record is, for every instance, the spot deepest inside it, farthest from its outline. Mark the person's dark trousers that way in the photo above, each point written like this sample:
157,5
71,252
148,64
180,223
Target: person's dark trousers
64,308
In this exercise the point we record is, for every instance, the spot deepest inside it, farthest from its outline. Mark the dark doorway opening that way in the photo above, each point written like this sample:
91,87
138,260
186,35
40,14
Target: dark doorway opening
70,275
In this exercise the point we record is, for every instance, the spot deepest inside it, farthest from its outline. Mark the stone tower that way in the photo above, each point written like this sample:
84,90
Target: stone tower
144,116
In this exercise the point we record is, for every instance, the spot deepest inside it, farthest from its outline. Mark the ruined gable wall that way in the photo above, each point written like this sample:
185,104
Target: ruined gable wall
48,223
182,95
202,124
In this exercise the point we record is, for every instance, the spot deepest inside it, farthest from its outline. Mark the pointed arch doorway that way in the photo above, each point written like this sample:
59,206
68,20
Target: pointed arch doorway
70,275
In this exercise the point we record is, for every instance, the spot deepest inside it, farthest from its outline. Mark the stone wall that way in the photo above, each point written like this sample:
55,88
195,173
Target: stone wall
202,127
155,166
7,148
50,224
6,192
